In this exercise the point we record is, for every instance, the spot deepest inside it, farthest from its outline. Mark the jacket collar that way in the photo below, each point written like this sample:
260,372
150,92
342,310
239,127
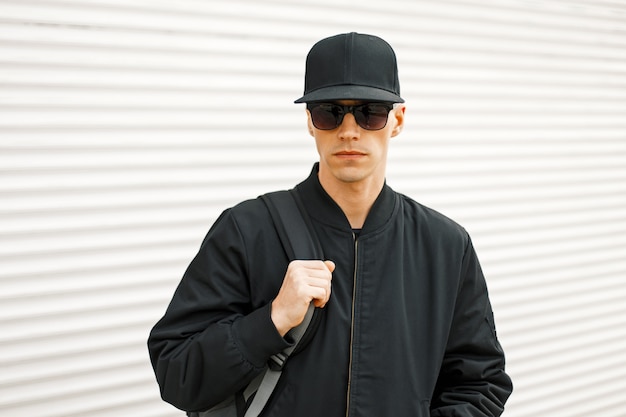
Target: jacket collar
324,209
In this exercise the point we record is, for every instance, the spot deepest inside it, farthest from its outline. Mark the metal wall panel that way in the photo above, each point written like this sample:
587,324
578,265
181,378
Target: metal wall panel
127,126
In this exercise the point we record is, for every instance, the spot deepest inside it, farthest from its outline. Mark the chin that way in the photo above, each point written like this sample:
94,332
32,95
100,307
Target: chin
351,175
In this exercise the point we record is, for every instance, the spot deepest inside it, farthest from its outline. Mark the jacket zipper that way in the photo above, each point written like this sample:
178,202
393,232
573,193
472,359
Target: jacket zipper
356,252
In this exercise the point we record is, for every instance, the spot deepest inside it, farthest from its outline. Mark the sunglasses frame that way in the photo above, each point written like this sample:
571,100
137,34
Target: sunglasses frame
349,109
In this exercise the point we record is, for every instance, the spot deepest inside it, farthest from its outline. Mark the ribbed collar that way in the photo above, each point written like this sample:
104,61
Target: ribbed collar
324,209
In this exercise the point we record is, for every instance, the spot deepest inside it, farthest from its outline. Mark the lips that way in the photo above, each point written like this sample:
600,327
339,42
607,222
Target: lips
349,153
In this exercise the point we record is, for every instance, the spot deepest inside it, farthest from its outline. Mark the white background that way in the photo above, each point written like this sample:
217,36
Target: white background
127,126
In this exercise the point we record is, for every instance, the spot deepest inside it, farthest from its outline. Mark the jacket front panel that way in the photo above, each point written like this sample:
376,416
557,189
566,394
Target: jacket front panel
390,311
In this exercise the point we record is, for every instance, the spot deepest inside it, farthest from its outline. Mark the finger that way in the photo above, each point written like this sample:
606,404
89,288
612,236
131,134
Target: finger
317,269
319,283
322,300
319,303
321,290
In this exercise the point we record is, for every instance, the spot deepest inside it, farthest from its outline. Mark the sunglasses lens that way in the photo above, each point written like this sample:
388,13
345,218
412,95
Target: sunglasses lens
372,116
326,116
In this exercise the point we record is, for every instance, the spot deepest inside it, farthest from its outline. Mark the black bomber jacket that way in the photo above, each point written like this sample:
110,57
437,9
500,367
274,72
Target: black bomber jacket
408,330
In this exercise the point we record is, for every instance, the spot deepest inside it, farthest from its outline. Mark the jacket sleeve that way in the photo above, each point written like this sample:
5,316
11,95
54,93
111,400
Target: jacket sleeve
212,342
472,380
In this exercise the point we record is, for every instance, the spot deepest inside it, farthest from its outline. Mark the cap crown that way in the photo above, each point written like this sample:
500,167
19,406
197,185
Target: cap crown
351,66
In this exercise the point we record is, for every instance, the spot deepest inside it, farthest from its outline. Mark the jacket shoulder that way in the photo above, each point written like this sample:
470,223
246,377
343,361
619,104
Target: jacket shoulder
433,222
251,214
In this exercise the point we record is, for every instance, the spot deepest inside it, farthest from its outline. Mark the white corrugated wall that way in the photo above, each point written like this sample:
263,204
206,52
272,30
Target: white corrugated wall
127,126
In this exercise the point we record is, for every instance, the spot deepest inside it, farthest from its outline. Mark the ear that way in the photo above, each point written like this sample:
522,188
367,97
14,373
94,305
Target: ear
398,118
309,123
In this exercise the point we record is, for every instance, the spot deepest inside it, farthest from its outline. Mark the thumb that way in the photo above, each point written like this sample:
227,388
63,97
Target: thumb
330,265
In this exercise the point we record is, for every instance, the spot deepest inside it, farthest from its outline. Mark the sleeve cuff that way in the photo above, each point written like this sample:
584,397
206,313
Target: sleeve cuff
257,337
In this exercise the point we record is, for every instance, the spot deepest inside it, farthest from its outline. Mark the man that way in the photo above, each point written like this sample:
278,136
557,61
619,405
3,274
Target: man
407,327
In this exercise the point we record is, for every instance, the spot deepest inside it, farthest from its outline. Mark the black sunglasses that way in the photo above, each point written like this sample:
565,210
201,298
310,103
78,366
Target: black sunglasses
370,116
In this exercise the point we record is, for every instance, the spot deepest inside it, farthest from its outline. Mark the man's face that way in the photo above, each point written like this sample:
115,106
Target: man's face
352,154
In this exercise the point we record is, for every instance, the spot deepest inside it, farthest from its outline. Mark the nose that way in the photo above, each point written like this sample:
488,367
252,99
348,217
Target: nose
348,129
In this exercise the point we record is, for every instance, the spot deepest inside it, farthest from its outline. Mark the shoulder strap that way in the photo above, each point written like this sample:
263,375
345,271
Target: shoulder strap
299,241
293,225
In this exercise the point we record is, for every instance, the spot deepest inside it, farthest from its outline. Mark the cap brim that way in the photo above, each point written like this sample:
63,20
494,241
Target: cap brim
350,92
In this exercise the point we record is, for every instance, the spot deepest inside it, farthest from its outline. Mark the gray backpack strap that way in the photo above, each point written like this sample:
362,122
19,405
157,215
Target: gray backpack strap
292,224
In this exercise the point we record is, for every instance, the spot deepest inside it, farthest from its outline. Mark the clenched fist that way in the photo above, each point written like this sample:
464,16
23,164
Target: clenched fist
305,282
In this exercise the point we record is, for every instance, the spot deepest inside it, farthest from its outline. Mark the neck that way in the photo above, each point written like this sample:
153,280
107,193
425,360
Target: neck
354,198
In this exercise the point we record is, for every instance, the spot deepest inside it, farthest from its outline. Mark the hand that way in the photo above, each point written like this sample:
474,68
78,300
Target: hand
305,282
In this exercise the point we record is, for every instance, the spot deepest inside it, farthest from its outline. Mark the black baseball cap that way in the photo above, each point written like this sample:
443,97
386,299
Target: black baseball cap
351,66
